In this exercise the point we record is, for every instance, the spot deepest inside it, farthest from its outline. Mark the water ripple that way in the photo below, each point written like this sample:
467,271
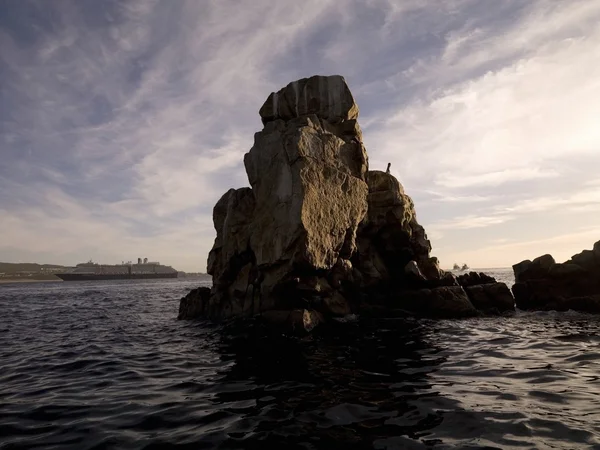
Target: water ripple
107,366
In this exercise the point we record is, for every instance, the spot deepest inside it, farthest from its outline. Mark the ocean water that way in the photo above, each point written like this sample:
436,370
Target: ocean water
105,365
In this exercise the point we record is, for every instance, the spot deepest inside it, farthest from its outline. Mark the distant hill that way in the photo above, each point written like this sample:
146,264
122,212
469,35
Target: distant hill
28,267
29,271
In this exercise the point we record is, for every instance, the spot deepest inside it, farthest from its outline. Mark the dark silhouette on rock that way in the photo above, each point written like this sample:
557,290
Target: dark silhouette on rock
544,284
388,168
318,235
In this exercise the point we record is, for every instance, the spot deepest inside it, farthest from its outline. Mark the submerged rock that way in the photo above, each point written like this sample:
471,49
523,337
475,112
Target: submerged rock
543,284
318,235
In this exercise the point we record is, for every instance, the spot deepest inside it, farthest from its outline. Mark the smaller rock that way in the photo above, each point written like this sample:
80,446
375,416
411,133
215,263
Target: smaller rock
449,279
474,278
413,272
430,268
531,270
586,259
544,262
491,297
520,268
596,249
194,304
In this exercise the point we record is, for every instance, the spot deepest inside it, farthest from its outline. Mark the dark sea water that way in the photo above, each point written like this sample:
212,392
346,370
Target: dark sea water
105,365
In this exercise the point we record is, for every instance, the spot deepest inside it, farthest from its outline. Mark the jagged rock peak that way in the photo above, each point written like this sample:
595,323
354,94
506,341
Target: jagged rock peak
327,97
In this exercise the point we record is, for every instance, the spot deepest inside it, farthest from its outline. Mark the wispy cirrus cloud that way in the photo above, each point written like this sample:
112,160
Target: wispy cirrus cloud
495,178
126,121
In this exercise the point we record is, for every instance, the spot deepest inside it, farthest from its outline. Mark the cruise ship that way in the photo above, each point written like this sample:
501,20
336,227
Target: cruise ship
126,271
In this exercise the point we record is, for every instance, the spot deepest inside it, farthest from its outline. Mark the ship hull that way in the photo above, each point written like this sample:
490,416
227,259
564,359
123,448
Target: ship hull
108,276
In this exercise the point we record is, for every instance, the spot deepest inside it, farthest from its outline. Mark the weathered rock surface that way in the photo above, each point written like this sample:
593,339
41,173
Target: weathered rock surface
389,238
543,284
310,193
318,235
194,304
326,97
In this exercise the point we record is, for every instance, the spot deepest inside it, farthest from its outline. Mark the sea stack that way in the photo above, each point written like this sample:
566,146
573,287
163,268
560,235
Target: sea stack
318,235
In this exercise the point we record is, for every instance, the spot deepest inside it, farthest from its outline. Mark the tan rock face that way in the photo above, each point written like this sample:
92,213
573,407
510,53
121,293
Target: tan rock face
307,170
310,193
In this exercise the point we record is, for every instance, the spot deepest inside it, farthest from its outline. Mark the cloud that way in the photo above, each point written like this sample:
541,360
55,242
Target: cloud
516,118
584,198
143,115
497,178
126,121
447,198
470,222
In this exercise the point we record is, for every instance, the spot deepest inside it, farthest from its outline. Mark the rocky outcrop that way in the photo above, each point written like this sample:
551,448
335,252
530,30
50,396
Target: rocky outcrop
389,238
543,284
194,304
318,235
475,278
285,243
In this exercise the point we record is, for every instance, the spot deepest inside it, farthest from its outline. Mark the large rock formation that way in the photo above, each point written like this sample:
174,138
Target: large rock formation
318,235
543,284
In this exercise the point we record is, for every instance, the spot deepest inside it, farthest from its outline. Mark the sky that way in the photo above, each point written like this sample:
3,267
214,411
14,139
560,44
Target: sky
123,122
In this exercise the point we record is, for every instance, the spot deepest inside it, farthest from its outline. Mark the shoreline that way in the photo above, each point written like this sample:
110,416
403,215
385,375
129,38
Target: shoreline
9,281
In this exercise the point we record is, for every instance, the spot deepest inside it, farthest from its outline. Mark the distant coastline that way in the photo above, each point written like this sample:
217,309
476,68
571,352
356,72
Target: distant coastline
6,280
40,273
